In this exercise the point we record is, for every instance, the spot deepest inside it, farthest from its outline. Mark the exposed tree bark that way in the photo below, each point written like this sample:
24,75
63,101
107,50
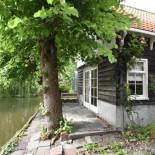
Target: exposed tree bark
51,94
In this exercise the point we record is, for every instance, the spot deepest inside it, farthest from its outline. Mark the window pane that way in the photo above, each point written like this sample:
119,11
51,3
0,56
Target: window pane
140,66
139,77
139,88
131,76
132,87
94,82
87,86
95,101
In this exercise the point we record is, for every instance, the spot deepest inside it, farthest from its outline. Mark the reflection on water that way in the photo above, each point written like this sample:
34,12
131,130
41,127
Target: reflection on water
14,113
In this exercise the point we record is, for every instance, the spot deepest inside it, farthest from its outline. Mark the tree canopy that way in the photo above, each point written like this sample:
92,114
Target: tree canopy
57,31
77,26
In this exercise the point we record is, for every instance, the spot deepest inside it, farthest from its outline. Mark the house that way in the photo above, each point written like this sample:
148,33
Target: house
98,85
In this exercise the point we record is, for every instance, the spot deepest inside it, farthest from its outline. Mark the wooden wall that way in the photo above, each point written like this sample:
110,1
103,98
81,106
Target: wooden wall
80,80
106,82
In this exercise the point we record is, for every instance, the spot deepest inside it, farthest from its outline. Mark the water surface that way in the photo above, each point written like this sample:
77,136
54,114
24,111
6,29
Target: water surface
14,113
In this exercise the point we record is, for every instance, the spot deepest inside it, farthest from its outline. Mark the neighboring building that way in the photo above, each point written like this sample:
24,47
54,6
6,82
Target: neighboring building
98,85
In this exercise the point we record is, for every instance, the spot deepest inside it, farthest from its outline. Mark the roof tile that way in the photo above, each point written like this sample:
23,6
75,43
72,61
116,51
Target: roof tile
147,19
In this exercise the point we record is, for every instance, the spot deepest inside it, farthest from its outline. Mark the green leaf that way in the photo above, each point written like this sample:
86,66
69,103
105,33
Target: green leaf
41,14
72,11
50,1
14,22
62,1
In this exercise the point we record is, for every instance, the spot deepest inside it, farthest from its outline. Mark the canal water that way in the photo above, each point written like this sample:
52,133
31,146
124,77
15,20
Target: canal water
14,113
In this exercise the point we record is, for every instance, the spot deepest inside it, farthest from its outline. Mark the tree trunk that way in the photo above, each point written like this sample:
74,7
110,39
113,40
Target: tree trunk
51,94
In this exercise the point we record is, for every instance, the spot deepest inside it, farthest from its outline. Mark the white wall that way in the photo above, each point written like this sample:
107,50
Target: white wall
107,111
146,115
114,114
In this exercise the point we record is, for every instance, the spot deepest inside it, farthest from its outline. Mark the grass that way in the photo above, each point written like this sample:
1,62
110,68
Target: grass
139,133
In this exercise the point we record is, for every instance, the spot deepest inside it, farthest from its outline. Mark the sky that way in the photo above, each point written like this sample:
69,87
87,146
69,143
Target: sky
148,5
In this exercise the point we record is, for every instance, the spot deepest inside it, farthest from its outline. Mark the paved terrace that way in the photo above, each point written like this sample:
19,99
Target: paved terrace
84,122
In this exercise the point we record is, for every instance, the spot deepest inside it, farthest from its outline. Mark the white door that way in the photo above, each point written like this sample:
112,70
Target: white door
91,89
87,88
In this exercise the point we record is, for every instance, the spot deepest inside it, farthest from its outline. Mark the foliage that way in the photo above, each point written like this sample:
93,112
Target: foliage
44,134
117,148
139,133
23,24
103,152
67,77
17,74
91,147
133,48
64,126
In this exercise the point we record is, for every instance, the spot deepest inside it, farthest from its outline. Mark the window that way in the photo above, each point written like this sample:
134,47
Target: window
137,79
87,86
94,87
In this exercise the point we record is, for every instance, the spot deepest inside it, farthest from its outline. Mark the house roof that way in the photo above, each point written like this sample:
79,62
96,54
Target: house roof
147,19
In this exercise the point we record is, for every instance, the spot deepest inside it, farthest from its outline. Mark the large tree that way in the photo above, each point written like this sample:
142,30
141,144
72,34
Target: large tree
57,31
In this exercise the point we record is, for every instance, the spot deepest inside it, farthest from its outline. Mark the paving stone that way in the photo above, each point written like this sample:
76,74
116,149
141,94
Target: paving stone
78,143
19,152
31,152
32,145
43,151
108,139
35,137
44,143
23,143
69,149
96,139
56,150
88,139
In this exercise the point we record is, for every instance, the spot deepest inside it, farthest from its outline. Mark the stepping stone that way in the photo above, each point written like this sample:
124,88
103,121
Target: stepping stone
44,143
32,145
88,139
35,137
56,150
69,149
79,143
23,143
96,139
19,152
43,151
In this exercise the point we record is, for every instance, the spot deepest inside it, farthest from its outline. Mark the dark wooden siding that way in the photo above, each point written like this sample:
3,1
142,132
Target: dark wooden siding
80,80
106,82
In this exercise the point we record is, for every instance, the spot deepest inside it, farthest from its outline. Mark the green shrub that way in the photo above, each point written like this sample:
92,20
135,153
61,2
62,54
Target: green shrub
91,148
64,126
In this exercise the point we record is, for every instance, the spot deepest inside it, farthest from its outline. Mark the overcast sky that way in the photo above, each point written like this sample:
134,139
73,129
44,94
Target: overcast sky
148,5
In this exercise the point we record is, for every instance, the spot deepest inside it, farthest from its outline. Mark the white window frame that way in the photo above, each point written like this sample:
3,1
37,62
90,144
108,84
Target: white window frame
144,96
88,105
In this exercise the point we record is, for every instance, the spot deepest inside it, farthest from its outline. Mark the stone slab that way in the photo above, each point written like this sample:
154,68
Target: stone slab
19,152
56,150
69,149
44,143
43,151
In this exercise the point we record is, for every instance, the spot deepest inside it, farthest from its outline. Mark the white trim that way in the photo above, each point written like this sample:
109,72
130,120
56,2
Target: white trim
142,31
145,82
